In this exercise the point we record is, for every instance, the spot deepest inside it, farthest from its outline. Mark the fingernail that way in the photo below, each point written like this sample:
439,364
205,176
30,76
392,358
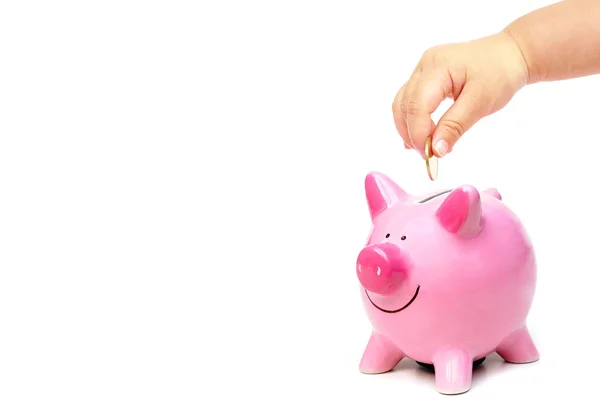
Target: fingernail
441,147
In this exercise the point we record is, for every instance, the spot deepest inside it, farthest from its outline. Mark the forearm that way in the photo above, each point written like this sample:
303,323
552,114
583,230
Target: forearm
560,41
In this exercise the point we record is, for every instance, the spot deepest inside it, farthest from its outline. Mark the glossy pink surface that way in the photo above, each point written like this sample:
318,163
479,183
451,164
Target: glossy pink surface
446,280
381,268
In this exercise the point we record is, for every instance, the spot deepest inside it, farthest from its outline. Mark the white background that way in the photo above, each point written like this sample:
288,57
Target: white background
182,204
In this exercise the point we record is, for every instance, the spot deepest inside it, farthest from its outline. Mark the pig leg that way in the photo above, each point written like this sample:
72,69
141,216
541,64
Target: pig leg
453,371
518,348
380,356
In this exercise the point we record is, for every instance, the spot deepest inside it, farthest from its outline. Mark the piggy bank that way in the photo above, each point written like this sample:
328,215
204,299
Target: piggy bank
446,279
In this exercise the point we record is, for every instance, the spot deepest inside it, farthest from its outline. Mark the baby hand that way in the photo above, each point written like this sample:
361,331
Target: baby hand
481,76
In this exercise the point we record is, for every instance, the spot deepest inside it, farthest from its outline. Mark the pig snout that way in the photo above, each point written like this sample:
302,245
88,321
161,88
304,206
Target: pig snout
381,268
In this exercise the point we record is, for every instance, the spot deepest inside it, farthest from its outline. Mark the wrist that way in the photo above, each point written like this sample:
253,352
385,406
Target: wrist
532,74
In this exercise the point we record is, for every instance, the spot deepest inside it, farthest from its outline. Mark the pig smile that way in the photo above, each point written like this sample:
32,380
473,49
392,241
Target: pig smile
394,311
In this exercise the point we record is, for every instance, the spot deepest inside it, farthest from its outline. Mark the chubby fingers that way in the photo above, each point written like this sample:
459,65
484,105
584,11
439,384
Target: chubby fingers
399,120
471,106
418,99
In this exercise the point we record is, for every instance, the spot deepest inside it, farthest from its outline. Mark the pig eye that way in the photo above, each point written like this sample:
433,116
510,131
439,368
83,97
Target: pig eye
403,238
388,235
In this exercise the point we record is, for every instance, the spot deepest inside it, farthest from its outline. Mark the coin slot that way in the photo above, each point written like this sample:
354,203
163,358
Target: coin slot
433,196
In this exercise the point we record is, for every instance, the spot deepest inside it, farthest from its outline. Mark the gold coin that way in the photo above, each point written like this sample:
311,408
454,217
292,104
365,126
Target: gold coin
431,161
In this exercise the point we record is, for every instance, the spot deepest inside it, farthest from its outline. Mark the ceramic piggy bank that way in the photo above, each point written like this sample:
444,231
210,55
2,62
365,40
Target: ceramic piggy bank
446,279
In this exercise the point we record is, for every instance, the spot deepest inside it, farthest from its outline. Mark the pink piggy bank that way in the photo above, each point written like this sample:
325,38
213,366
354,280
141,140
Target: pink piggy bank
446,280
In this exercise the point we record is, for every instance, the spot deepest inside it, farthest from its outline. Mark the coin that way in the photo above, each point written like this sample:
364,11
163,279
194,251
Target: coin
431,161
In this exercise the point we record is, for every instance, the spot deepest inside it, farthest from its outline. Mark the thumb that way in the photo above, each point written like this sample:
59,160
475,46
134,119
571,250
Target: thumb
470,107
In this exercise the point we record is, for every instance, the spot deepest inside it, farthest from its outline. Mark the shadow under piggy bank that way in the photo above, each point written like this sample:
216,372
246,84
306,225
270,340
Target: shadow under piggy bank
446,279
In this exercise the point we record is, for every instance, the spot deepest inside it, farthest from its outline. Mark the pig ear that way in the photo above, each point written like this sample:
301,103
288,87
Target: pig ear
493,192
460,212
382,193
